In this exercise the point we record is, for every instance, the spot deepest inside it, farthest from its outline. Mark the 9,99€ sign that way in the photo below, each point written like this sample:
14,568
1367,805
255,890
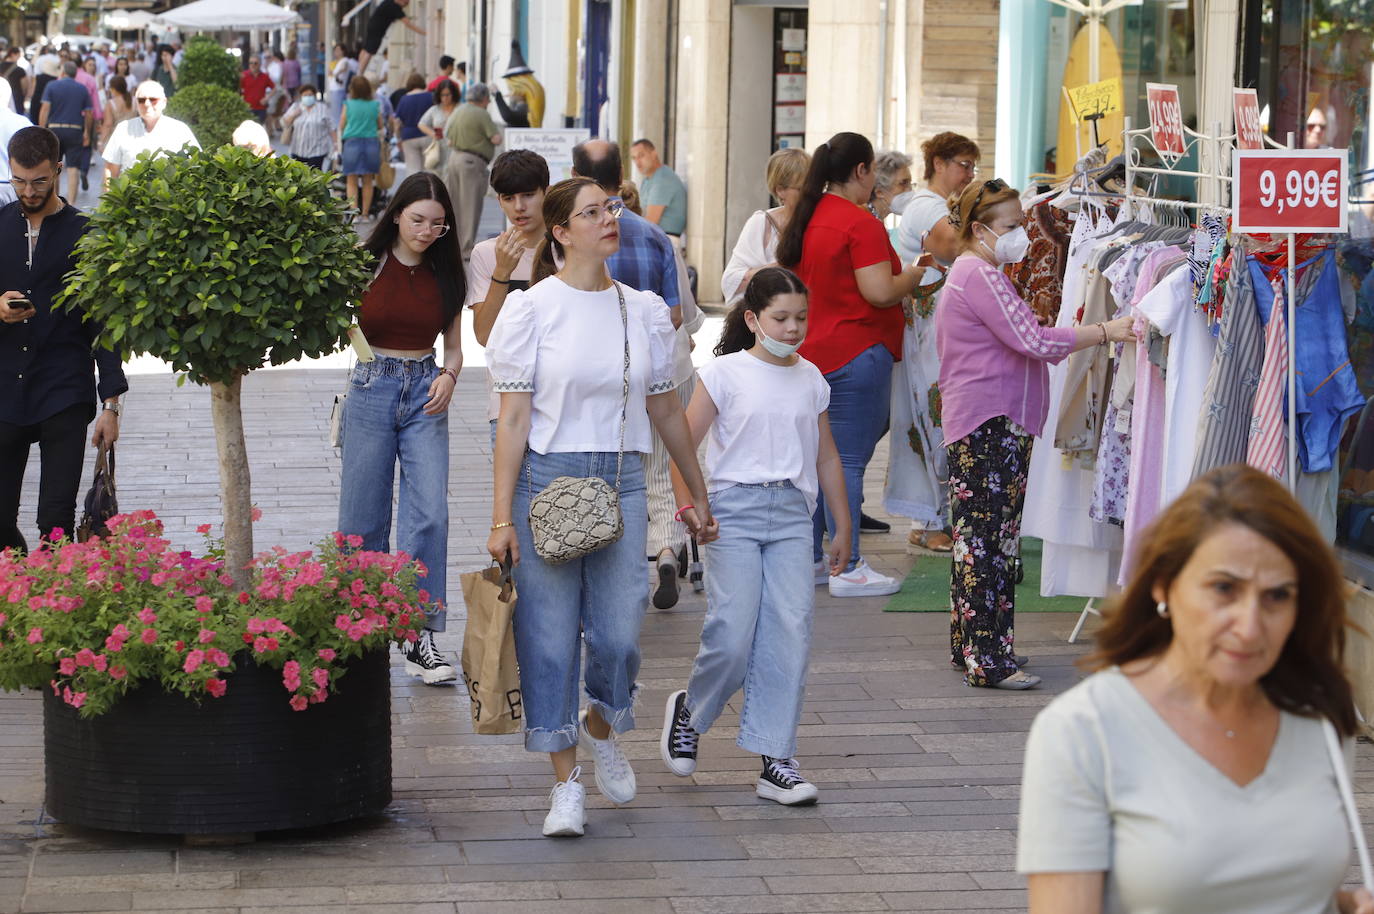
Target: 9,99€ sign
1294,190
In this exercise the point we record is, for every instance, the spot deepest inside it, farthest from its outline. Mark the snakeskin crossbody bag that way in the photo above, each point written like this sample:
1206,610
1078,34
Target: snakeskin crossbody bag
575,516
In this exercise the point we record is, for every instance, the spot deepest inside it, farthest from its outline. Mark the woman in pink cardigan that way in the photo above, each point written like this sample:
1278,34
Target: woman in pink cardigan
994,383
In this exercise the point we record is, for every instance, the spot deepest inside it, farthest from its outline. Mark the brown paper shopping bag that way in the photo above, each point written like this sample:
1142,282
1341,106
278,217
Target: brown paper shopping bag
489,665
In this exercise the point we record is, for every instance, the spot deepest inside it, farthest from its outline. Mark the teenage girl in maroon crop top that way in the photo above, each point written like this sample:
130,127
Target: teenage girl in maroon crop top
397,406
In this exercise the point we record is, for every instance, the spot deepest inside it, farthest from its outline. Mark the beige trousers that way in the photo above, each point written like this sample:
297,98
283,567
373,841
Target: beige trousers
466,178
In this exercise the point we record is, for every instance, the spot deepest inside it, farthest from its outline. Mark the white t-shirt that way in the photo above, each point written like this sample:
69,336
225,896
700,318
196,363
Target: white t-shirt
767,422
131,137
925,209
481,266
566,347
1109,786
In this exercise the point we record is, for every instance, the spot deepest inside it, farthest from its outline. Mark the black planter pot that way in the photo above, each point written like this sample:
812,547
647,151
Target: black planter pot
158,763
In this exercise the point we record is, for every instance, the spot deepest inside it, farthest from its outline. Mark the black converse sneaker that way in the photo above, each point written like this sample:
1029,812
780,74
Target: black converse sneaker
781,783
678,744
423,659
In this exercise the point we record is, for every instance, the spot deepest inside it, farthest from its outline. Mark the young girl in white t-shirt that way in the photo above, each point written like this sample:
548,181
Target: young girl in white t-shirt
764,407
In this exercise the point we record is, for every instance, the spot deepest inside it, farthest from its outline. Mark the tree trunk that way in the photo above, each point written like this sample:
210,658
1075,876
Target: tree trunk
236,492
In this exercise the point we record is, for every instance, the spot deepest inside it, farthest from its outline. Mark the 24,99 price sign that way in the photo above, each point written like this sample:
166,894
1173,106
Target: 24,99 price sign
1292,190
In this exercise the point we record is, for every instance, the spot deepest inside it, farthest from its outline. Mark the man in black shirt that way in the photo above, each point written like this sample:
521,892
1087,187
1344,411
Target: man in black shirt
385,13
48,389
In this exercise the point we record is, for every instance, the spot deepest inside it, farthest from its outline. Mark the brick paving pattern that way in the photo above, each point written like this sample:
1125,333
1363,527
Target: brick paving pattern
918,774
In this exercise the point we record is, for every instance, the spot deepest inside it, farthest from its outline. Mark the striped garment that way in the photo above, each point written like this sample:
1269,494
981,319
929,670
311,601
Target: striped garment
1268,450
311,133
1223,431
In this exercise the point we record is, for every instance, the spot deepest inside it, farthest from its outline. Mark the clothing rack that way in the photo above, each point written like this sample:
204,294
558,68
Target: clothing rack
1213,190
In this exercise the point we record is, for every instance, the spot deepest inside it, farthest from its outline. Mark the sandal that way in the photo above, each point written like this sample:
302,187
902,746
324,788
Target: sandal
1021,660
931,540
1018,681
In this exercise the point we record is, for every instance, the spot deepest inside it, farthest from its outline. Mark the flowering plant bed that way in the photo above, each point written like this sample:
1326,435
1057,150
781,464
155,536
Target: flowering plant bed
91,621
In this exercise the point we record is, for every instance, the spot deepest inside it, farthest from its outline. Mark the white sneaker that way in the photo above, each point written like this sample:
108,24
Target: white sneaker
822,572
863,581
614,776
567,808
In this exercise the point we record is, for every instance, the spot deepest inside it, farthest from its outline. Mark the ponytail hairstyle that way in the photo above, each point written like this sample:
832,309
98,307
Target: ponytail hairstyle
832,163
559,205
975,204
768,283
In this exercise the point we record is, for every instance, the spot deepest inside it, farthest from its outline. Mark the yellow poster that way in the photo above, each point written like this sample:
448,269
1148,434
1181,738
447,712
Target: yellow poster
1096,99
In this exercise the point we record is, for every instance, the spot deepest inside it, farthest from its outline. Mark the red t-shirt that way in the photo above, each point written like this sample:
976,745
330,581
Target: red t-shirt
254,88
840,239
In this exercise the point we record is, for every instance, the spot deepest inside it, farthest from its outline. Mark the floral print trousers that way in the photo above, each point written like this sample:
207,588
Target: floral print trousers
987,489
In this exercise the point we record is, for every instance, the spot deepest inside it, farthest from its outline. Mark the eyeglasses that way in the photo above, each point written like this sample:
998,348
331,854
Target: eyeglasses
39,185
597,210
148,100
996,185
969,166
439,230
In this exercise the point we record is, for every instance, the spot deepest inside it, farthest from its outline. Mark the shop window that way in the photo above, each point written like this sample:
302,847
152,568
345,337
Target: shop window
789,78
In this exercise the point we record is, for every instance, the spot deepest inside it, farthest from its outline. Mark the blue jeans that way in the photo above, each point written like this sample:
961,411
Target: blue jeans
859,401
760,597
383,422
598,600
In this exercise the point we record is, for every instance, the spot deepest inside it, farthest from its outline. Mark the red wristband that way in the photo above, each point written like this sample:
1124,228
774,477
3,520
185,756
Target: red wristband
678,515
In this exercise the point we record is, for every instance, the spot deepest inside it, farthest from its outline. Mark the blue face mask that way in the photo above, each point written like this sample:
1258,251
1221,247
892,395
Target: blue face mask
308,101
777,347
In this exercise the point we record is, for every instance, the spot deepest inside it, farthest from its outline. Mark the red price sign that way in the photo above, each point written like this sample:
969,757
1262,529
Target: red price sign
1248,132
1290,190
1166,119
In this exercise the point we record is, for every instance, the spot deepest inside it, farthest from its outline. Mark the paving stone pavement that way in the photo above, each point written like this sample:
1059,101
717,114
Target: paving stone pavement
918,774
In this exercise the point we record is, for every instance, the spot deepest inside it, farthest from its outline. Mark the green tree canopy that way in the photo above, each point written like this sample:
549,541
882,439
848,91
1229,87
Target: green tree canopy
205,63
212,112
219,261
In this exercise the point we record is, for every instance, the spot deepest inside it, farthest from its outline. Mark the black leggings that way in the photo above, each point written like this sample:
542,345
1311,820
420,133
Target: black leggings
61,440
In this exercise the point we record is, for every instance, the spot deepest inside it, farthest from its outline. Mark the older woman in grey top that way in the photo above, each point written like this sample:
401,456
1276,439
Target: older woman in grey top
1190,773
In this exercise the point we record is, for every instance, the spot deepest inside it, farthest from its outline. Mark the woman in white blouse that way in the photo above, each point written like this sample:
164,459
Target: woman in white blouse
557,357
1190,773
757,246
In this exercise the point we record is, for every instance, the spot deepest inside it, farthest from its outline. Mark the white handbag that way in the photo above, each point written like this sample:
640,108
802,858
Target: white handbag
575,516
1352,815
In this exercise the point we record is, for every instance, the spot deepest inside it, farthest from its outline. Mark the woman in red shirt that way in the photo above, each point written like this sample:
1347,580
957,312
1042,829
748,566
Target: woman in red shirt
397,406
842,253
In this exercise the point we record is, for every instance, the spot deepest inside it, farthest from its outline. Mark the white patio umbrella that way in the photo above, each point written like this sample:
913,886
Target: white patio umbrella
124,20
210,15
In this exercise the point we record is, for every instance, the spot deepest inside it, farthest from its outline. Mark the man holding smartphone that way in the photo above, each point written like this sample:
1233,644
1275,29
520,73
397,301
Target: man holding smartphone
48,357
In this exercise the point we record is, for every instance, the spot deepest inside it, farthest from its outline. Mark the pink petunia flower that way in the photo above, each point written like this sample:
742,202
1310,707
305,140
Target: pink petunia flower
66,666
206,636
85,657
147,616
216,687
320,677
193,661
257,513
298,703
203,529
218,657
204,604
101,662
148,635
118,672
35,635
327,654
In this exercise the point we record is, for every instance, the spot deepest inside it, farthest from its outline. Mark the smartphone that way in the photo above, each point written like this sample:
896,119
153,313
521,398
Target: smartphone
21,304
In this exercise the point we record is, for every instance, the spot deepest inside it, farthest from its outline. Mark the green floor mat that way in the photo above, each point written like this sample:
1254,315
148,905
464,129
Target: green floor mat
926,588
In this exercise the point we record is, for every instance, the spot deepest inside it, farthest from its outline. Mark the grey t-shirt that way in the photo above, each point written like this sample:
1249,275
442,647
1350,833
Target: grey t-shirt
1109,786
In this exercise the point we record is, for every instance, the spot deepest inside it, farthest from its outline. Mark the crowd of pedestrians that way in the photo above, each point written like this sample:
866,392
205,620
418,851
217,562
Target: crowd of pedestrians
859,296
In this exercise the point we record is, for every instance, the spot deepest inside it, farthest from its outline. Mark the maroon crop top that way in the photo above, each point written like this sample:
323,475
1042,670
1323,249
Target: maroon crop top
403,309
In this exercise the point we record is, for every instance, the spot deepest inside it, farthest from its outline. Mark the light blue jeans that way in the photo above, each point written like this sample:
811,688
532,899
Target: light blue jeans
760,596
859,403
598,600
383,423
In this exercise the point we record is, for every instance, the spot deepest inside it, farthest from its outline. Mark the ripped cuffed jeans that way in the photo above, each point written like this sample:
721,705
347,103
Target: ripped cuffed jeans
598,600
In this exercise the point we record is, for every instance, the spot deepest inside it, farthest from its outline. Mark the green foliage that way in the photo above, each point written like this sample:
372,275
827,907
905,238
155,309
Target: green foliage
205,63
219,261
212,112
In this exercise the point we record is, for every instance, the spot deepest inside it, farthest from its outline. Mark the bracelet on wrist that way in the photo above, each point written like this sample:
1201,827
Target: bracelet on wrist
1103,328
451,372
504,282
501,526
678,515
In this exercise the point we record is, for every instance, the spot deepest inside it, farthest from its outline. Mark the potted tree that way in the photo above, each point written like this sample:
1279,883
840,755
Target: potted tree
217,262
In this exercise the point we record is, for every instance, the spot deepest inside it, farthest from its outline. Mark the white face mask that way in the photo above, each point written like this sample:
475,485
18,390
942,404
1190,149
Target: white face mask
901,201
308,101
775,347
1011,246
